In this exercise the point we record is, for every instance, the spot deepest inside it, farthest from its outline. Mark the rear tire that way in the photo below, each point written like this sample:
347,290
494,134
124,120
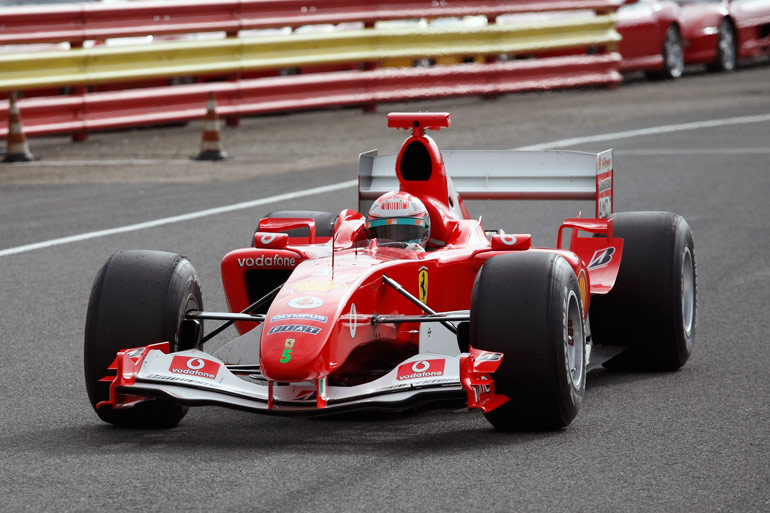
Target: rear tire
727,48
138,298
324,222
528,306
652,307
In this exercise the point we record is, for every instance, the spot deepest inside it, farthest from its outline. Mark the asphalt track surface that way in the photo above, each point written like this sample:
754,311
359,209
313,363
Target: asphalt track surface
693,440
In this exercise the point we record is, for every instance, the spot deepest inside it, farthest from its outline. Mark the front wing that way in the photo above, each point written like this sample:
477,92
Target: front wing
195,378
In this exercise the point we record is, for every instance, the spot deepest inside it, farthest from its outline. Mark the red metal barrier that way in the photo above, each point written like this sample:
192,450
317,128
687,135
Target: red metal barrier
108,110
76,23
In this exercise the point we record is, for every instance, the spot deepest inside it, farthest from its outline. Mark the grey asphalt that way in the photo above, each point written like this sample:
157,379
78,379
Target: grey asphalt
693,440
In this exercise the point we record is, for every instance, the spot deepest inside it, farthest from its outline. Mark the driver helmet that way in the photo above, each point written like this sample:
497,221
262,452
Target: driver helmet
401,217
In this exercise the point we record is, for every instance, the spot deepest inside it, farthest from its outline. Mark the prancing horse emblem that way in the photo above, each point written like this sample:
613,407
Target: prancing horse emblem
423,284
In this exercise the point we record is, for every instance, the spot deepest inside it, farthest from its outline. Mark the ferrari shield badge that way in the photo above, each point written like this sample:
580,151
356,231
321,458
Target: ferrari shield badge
422,280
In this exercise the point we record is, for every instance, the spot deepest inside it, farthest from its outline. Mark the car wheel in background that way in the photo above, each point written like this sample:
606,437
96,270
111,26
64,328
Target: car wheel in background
528,307
138,298
673,56
727,49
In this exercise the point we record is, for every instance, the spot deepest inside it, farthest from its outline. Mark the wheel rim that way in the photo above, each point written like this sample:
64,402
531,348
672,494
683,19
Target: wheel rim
727,47
688,295
574,342
674,54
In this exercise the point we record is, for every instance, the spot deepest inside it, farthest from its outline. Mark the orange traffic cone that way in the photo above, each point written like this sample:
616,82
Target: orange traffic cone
211,143
17,148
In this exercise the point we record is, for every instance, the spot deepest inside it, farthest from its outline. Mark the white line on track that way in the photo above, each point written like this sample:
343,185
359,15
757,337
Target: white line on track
655,130
694,151
176,219
563,143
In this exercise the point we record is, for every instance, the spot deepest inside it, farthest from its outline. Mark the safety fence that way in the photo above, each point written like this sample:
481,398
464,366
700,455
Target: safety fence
557,51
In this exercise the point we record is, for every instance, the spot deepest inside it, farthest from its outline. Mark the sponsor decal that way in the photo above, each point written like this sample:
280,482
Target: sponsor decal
601,258
488,356
605,207
304,395
316,285
293,316
305,302
479,391
508,240
193,366
267,261
583,285
302,328
394,204
267,239
287,347
136,353
353,321
605,185
422,280
604,194
421,369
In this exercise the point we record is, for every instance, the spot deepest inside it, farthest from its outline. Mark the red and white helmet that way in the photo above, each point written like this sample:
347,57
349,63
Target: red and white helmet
399,216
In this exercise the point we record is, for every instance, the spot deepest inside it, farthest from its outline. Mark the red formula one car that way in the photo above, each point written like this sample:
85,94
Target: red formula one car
662,36
411,302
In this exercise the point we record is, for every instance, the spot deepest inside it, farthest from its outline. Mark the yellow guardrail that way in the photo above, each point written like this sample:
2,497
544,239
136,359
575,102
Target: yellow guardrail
120,64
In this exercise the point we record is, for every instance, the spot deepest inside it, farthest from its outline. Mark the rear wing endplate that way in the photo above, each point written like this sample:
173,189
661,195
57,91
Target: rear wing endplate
506,174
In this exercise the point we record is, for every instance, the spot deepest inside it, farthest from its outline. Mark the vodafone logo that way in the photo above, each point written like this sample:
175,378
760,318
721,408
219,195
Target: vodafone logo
267,239
421,369
192,366
267,261
195,364
508,240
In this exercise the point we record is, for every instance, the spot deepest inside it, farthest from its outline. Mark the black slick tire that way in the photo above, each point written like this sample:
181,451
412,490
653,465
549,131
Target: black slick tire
528,306
652,307
138,298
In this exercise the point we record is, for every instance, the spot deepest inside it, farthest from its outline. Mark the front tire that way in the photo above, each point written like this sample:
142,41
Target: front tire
673,56
652,307
138,298
528,306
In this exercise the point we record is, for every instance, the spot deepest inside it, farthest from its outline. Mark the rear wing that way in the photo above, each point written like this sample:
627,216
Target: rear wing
505,174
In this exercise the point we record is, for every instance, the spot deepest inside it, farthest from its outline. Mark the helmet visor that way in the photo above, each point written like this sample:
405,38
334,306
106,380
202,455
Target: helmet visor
401,230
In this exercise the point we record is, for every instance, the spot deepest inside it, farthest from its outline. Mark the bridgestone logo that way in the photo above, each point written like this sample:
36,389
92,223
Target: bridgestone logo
605,185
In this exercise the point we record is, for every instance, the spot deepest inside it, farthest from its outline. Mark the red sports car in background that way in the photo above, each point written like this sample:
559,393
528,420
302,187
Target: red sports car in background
661,36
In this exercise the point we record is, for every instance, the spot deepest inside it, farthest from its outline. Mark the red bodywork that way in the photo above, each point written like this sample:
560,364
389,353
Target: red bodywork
643,25
320,323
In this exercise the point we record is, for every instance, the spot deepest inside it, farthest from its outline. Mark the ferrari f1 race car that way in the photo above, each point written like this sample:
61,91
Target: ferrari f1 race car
404,303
